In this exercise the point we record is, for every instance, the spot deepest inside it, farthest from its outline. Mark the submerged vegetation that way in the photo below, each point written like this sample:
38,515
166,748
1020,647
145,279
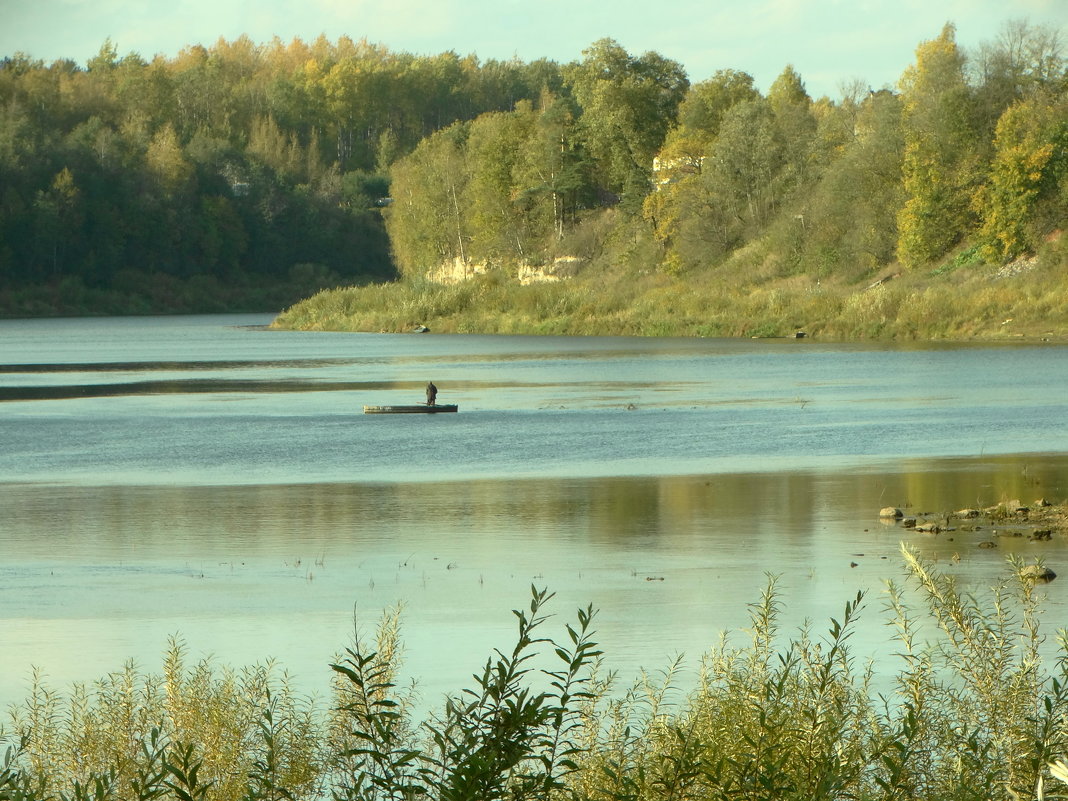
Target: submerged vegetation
976,712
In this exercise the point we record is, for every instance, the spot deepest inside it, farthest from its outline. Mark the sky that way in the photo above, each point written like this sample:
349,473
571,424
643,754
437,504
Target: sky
829,42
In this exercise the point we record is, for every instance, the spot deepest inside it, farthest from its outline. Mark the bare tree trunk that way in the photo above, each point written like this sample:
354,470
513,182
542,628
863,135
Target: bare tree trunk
459,231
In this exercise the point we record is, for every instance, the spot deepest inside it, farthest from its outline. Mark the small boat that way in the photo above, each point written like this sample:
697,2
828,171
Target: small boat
421,408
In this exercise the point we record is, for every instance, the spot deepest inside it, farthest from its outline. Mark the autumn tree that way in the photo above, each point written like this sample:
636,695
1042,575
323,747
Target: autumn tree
166,161
279,150
701,215
243,161
1030,168
941,168
699,118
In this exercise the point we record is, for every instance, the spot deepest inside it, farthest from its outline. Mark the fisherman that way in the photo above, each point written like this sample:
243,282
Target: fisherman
431,394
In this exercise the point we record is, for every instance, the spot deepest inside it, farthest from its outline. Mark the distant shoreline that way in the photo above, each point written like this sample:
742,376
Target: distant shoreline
1025,308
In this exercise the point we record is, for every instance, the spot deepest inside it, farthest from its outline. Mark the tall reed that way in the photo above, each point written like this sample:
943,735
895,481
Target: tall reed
974,713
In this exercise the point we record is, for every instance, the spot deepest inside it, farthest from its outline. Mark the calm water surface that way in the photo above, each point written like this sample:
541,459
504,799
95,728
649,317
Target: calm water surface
206,477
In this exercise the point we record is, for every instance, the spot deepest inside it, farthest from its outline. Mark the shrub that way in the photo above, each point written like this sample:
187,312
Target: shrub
974,714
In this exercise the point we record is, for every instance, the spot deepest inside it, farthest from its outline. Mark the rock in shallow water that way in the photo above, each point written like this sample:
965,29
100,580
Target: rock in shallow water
1037,573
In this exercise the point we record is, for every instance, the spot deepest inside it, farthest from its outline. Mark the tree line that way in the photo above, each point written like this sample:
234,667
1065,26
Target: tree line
242,164
966,158
236,164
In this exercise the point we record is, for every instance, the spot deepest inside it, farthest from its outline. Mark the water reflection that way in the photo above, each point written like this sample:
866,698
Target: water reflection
610,508
208,477
248,572
126,367
187,386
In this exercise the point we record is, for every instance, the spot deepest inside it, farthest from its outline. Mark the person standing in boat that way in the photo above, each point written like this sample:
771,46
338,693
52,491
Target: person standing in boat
431,394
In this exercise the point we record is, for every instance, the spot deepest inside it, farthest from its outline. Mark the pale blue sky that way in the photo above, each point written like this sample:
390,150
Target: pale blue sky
829,42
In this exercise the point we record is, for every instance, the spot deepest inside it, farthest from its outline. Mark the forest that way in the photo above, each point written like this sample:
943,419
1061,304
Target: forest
238,176
245,176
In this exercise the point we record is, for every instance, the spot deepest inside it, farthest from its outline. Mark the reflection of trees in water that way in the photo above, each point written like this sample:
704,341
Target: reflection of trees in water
984,482
606,510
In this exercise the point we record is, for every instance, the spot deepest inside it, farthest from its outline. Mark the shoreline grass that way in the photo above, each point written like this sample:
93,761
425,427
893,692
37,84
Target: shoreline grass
966,304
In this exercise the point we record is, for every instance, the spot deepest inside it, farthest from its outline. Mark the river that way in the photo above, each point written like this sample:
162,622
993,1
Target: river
210,478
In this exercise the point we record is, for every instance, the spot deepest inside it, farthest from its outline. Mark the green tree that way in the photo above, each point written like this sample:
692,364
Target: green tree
238,69
745,165
199,93
796,127
941,168
627,106
346,92
549,176
849,217
706,102
145,91
496,221
427,222
106,58
788,90
56,211
220,236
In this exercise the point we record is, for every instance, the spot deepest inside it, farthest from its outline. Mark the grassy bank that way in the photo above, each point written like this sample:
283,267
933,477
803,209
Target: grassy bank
977,713
746,298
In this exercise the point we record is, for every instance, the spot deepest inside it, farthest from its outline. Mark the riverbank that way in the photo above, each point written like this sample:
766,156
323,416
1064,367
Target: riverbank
1026,301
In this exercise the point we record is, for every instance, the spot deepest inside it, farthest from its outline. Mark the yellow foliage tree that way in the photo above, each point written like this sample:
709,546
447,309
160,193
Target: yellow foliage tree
939,170
1031,141
167,162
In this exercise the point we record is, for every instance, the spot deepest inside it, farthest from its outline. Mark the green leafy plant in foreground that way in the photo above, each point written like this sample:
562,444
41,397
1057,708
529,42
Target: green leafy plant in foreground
498,740
981,718
973,714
